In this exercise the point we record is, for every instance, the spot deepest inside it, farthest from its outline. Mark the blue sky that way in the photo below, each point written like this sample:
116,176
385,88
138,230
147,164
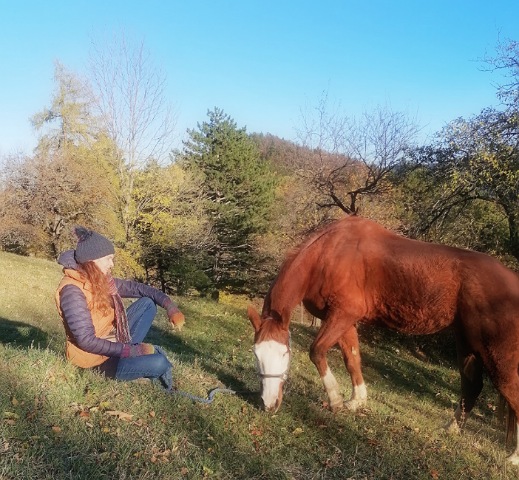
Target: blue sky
264,61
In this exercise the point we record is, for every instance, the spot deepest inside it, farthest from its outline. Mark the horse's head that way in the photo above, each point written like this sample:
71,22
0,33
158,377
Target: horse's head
272,351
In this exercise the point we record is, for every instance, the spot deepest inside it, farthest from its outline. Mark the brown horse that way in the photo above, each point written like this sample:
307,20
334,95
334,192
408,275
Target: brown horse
354,270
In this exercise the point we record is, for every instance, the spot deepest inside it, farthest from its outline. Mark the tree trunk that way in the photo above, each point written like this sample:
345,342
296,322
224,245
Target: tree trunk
514,234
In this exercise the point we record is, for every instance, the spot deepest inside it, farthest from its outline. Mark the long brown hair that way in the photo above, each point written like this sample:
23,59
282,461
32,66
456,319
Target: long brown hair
101,298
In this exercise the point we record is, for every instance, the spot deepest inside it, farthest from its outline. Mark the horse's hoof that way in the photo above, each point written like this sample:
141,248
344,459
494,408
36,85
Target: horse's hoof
337,407
513,459
354,405
453,427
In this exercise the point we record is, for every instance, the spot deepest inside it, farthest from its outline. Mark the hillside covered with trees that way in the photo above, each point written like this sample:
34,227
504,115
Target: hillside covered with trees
220,213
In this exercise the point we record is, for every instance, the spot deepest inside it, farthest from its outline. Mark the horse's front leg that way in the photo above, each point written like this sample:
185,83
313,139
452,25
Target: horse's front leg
349,345
327,336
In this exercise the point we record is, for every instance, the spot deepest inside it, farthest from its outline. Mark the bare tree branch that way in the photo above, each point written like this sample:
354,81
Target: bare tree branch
131,98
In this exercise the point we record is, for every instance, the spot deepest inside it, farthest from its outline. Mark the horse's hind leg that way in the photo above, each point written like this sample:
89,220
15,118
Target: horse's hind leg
349,344
471,372
511,394
508,386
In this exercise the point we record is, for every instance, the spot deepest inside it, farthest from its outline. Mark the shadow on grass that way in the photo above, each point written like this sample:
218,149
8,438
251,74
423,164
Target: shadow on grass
341,447
203,355
409,366
400,374
96,452
353,446
206,342
21,334
381,350
56,455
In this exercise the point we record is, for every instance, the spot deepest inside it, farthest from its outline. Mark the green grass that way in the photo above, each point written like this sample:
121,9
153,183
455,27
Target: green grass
59,422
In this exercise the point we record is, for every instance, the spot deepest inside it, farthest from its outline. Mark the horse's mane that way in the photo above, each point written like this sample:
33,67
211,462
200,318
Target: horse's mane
314,236
293,256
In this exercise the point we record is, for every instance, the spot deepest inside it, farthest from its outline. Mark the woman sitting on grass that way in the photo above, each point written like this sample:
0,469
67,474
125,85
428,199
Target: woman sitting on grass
101,334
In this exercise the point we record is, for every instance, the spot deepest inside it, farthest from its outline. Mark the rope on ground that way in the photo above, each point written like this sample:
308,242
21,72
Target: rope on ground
210,396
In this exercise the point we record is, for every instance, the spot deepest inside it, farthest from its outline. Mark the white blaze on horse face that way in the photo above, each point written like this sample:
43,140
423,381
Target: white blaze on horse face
272,360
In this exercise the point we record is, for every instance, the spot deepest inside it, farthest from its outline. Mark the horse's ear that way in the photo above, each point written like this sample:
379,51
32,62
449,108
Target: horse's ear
254,317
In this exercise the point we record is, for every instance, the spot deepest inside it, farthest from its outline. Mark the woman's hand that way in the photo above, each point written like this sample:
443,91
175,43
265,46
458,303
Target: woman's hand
177,318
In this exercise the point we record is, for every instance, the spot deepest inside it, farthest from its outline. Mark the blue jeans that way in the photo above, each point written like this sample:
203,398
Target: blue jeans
155,366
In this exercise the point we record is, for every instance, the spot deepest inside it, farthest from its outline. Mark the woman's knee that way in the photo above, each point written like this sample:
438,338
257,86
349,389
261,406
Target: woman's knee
142,307
146,304
160,363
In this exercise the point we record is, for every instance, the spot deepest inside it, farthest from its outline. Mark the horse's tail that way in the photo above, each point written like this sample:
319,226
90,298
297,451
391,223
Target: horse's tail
509,418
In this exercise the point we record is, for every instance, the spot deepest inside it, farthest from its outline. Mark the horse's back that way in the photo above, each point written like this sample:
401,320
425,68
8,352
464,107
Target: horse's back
415,287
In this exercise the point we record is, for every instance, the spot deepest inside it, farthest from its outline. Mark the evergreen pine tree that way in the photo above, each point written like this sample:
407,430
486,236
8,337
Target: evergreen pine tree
238,189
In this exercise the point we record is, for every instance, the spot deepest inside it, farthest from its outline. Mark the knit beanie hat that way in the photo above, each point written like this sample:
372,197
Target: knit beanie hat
91,245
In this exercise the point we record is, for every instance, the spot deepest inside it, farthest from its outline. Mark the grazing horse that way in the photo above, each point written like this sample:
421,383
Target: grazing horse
354,270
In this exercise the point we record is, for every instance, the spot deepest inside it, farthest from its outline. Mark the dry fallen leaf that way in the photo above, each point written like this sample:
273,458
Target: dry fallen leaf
121,415
11,415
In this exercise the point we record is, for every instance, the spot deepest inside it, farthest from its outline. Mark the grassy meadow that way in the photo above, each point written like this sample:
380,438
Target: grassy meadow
58,422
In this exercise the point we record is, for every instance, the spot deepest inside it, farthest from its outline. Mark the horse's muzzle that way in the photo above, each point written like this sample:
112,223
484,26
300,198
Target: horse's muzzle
273,408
